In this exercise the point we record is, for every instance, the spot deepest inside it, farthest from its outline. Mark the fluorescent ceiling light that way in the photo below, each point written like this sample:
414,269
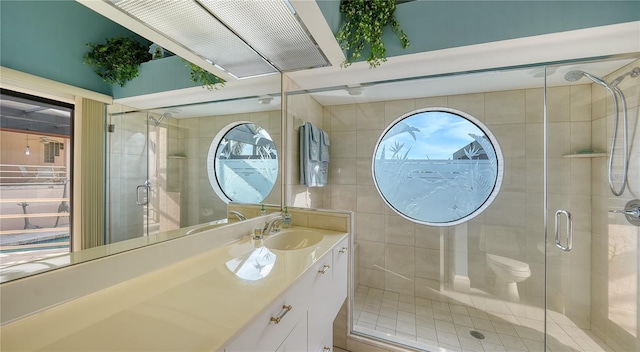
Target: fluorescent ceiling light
245,38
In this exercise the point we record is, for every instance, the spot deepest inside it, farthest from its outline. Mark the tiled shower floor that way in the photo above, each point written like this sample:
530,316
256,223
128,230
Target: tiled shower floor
432,324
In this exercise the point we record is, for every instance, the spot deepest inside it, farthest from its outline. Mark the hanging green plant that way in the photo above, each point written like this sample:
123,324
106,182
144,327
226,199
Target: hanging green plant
205,78
118,60
363,25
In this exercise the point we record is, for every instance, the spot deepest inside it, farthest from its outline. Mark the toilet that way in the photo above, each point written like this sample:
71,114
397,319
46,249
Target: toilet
500,245
508,273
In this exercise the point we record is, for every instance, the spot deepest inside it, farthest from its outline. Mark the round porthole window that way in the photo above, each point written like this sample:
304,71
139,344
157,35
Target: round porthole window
437,166
242,163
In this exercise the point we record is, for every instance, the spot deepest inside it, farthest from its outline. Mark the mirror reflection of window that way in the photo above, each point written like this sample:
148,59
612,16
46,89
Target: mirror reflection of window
253,266
243,163
437,166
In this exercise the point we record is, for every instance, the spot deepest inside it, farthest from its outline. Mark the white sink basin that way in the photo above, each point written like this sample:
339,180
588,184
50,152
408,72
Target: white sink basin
291,240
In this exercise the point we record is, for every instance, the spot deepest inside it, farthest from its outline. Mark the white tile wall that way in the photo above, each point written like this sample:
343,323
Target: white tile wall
609,310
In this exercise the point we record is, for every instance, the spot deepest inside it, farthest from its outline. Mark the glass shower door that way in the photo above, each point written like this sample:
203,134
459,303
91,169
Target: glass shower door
129,186
591,253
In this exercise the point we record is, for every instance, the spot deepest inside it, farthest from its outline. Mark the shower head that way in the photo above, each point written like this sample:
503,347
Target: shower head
574,75
166,114
633,73
158,121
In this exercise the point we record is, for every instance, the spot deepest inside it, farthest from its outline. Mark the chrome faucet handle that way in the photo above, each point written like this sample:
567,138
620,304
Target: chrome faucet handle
631,211
272,225
257,233
237,214
276,227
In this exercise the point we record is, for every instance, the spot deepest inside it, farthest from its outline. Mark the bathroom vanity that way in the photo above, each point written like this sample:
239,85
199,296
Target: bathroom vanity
301,318
241,295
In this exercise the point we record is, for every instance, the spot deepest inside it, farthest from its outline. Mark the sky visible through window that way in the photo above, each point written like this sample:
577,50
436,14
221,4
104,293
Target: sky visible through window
437,167
438,135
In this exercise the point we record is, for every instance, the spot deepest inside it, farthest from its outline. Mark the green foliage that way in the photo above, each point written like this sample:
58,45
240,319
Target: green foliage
118,60
204,77
364,23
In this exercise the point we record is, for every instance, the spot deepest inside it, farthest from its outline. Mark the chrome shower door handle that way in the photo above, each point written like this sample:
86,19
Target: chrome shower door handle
569,233
142,194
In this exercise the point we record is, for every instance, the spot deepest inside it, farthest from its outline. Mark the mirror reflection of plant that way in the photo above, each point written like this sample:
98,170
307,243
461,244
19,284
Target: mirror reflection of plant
117,60
205,78
267,151
237,147
364,23
225,152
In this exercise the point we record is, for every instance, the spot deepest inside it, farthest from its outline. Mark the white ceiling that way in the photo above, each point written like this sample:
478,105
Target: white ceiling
466,83
458,70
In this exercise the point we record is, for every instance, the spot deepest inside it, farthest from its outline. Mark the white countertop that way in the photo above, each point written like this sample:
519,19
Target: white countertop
195,305
62,260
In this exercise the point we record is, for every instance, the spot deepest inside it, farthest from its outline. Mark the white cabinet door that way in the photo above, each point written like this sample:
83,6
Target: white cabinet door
297,339
340,275
263,334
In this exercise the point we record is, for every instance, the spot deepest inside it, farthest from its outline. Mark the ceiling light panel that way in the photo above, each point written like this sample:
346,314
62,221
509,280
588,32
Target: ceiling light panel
187,23
270,27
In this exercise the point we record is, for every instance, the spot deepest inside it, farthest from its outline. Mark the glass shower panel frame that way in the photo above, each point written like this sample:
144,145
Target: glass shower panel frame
128,180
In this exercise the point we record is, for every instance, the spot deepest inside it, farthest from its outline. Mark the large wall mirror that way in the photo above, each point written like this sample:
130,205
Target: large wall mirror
157,180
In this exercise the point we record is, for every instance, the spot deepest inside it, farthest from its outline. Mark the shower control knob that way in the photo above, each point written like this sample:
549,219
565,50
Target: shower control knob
631,212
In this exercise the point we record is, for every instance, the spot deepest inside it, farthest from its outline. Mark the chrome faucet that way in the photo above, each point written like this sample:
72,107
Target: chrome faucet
237,214
272,225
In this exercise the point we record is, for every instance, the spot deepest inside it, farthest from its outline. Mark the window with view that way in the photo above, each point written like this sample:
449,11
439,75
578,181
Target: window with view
437,166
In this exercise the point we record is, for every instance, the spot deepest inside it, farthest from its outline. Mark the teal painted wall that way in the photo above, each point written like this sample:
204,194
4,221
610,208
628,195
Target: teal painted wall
47,38
433,25
155,76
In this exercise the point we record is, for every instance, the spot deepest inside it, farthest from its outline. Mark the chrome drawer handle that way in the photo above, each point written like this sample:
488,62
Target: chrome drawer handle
326,348
324,269
285,310
343,250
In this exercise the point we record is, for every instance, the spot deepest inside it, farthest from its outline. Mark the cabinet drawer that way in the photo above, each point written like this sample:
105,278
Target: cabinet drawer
322,273
297,339
327,343
263,334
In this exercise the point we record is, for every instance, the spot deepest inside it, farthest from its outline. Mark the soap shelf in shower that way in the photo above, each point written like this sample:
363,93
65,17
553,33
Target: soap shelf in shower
585,155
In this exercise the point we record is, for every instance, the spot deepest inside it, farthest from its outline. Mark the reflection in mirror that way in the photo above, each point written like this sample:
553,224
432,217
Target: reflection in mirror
180,194
156,177
243,163
253,266
438,166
